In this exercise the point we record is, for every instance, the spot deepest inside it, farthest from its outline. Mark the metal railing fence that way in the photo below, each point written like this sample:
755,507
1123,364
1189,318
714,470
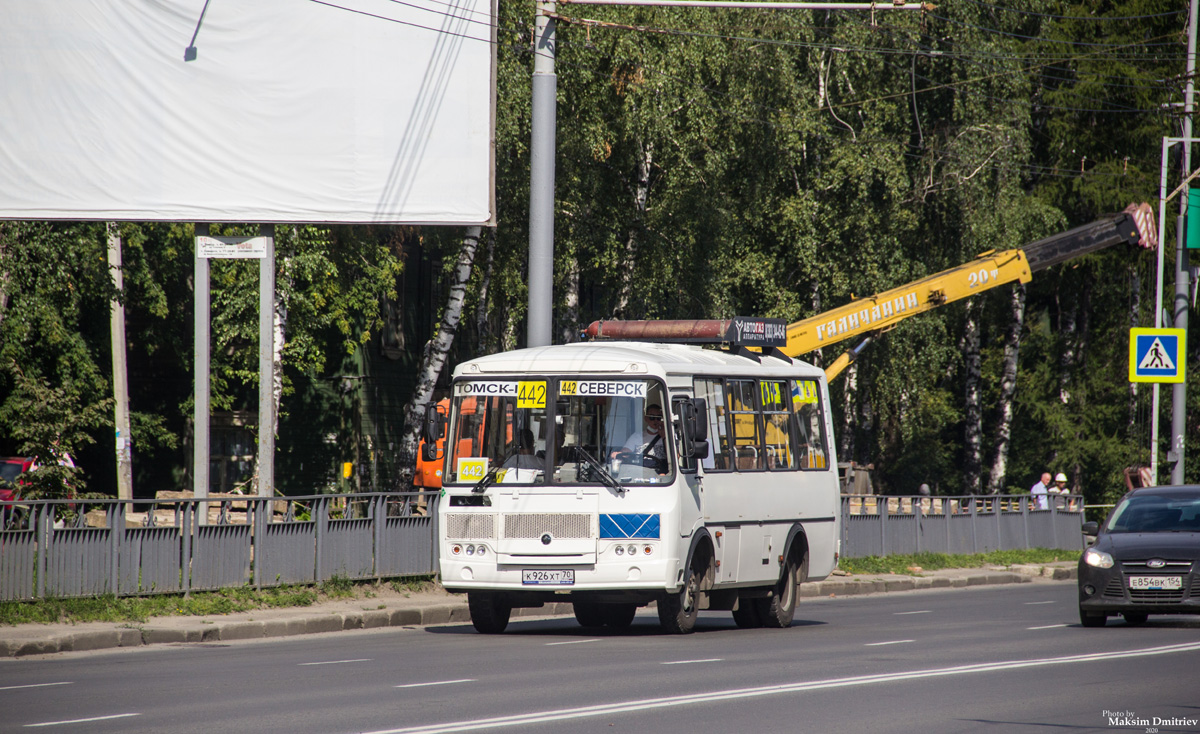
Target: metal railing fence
881,526
130,548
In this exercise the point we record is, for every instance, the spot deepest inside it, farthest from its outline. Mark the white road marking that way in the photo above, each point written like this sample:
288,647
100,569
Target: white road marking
1047,627
82,721
923,611
1035,603
436,683
689,662
35,685
338,662
890,642
572,642
646,704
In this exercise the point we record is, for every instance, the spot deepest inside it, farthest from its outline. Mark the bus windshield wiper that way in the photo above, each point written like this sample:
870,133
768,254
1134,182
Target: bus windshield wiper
606,479
490,478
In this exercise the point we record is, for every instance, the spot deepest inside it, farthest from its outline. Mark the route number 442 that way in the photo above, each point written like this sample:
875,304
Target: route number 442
531,394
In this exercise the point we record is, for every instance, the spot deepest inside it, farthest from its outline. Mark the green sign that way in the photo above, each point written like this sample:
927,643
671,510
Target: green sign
1193,220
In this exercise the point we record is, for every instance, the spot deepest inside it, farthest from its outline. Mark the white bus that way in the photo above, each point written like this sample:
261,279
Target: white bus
559,488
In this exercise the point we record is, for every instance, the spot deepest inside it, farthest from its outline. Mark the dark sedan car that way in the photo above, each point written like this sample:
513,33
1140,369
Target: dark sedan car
1146,558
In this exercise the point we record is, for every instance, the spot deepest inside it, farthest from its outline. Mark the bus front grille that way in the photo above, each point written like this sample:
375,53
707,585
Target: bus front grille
470,526
559,525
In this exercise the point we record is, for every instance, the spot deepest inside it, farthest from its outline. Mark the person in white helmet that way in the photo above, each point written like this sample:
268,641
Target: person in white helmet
1060,488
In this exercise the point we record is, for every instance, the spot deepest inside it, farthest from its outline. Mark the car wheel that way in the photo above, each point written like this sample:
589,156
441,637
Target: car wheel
1092,619
1135,617
489,612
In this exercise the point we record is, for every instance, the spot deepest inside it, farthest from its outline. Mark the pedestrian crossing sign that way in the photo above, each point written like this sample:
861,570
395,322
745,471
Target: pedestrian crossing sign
1157,355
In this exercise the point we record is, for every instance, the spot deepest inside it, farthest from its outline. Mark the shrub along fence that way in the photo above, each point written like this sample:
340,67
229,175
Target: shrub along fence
130,548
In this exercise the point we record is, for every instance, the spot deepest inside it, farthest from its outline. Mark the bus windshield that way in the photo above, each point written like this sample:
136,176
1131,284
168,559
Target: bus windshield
574,431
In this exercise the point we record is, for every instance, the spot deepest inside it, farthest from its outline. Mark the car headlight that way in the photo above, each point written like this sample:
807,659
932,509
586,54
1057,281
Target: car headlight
1097,558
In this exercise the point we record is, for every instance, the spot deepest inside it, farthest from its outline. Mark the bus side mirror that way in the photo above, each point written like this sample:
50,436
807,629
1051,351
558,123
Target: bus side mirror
1091,528
698,424
433,428
693,429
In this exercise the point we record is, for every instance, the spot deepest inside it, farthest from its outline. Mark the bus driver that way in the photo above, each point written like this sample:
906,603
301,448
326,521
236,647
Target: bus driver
648,446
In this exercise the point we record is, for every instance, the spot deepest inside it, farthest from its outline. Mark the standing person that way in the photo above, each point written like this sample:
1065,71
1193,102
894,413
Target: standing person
1060,488
1040,491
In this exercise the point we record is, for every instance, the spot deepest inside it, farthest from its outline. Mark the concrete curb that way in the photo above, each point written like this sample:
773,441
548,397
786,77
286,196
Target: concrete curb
48,639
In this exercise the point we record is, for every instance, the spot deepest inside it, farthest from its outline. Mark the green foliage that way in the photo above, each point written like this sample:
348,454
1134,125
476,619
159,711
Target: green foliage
108,608
709,163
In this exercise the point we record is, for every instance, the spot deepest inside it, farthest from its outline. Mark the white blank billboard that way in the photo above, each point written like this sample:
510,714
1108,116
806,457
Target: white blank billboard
287,111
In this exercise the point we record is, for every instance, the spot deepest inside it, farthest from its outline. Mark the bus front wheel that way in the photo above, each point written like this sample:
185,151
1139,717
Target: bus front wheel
489,612
677,612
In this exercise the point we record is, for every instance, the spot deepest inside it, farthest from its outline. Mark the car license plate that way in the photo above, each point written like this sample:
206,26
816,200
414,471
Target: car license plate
1155,583
548,577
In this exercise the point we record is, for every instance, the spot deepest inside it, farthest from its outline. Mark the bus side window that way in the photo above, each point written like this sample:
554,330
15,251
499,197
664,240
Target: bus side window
743,415
775,397
713,391
807,424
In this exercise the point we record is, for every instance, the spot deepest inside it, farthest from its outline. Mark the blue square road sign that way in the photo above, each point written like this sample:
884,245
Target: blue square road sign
1157,355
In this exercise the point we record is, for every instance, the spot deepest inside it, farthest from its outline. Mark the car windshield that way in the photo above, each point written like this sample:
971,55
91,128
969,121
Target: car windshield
1155,514
9,471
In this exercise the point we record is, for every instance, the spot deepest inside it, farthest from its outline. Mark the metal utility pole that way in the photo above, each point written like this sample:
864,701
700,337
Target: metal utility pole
1175,456
541,179
120,374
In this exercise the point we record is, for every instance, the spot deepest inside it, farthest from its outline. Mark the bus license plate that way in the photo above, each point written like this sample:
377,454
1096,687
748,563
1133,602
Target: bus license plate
1155,583
548,577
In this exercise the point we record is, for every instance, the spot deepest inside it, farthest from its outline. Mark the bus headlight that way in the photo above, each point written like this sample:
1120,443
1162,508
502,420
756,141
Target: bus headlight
619,550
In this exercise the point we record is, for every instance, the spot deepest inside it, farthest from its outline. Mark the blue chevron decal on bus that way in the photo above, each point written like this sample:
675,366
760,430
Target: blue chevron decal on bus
629,526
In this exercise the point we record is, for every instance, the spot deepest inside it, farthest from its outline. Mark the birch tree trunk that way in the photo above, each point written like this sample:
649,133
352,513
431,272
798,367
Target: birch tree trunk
846,430
482,326
1008,389
1066,330
640,194
433,359
1135,307
569,325
973,429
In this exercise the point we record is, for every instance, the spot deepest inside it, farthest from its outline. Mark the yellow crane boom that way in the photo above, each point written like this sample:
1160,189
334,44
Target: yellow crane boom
866,317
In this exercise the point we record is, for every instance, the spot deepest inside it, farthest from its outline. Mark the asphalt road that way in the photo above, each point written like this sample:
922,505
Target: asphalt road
985,659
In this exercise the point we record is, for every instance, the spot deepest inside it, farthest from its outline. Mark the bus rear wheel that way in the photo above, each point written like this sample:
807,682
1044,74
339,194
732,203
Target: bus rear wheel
489,612
779,609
